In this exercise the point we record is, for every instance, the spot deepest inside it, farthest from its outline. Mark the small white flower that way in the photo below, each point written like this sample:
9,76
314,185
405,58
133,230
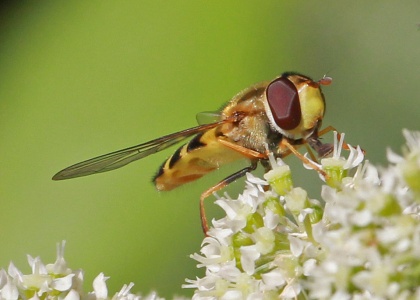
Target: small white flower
336,167
273,279
36,265
264,240
393,157
271,219
296,200
72,295
255,180
214,254
99,286
292,290
44,283
413,140
229,271
9,291
14,272
309,266
361,218
60,265
249,254
62,284
236,213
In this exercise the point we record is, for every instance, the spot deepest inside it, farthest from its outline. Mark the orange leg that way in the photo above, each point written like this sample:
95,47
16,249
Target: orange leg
244,151
311,154
218,187
285,143
253,155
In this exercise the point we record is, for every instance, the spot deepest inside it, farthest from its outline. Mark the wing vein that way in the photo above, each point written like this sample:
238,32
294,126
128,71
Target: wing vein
120,158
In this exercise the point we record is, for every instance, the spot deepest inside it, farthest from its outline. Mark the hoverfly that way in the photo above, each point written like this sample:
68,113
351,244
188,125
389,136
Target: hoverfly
274,116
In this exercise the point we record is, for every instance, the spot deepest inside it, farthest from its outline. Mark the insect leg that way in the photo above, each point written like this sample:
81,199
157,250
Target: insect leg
330,128
313,141
219,186
285,143
311,154
244,151
266,164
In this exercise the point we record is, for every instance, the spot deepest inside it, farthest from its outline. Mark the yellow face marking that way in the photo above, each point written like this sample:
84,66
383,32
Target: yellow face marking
312,107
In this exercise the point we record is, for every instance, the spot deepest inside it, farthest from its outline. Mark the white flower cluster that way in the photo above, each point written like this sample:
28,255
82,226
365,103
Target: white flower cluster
56,281
361,242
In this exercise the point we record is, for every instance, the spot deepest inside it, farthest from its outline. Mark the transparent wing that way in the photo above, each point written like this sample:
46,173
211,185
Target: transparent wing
120,158
207,117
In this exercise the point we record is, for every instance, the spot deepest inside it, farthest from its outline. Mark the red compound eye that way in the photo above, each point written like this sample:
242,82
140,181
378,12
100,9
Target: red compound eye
283,100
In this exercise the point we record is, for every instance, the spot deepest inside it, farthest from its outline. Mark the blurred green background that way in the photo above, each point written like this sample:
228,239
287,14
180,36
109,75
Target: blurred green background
83,78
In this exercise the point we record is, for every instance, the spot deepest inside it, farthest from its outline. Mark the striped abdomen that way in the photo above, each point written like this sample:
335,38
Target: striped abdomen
191,161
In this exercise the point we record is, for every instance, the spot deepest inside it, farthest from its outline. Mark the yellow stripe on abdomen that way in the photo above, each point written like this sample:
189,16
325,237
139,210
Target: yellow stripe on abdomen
193,160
